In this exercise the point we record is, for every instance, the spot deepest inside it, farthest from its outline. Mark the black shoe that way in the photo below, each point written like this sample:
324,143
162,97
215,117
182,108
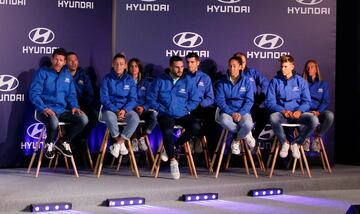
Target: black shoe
64,148
49,150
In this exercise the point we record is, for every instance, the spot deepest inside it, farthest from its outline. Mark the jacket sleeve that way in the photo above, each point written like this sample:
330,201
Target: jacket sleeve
249,99
132,97
194,97
105,96
209,93
326,98
36,88
271,99
305,96
152,97
220,98
71,97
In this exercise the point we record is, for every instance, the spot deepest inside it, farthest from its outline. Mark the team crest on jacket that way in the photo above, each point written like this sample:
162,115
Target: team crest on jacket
296,88
201,83
143,88
182,90
320,90
126,87
67,80
242,89
81,82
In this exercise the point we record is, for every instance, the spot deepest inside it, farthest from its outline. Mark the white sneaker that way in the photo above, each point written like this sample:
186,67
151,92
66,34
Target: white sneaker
235,147
123,149
284,150
250,140
142,144
164,157
306,145
115,149
315,147
295,151
174,169
135,145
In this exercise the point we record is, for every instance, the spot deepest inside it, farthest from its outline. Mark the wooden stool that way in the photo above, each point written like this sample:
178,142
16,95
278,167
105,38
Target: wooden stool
103,147
188,154
61,124
222,141
275,150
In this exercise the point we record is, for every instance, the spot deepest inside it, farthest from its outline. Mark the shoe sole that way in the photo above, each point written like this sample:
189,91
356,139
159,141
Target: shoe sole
69,156
52,157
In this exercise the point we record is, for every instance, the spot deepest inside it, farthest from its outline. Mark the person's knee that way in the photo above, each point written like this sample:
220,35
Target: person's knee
274,118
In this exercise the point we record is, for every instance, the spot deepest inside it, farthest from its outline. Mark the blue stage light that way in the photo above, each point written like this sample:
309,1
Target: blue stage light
115,202
200,197
265,192
50,207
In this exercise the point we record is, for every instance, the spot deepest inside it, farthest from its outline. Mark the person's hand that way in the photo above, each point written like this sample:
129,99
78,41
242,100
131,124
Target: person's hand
121,115
297,114
139,109
77,110
316,113
48,112
287,113
236,117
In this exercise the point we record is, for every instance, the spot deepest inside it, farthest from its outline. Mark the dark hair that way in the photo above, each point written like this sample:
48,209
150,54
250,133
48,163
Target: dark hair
71,53
192,55
119,55
286,58
237,58
59,51
138,63
239,54
174,59
306,71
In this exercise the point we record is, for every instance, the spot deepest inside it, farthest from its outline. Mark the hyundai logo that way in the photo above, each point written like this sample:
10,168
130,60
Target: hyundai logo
309,2
41,35
229,1
34,130
268,41
8,82
187,40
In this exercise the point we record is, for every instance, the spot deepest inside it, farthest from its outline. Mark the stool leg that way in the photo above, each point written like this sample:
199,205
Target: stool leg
112,162
187,151
294,166
206,152
36,150
274,159
158,163
102,154
74,166
260,160
89,156
271,153
228,158
221,154
66,164
301,166
119,163
192,164
324,153
132,158
157,156
216,150
149,151
39,162
305,161
244,156
251,159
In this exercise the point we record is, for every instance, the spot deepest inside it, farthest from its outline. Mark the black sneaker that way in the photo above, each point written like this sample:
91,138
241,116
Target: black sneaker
49,150
64,148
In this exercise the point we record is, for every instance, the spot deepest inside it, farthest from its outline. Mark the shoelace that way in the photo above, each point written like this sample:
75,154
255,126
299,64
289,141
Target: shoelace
50,146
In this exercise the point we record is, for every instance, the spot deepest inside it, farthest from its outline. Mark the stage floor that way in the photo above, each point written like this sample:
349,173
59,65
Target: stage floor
334,192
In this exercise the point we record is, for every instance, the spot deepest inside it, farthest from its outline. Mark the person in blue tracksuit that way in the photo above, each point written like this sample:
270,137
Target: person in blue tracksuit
288,99
118,97
85,95
259,113
206,95
234,96
174,95
53,93
143,83
320,99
